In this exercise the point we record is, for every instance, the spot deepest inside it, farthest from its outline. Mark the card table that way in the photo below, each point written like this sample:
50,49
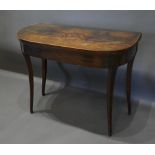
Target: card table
90,47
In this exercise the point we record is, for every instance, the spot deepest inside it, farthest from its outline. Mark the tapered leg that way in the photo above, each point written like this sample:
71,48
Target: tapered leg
128,84
110,88
44,72
31,81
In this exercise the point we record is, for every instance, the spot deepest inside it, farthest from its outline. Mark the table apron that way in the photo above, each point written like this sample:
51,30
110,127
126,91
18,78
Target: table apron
79,57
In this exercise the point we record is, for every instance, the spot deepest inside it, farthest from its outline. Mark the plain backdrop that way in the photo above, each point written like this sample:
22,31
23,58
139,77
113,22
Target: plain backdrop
143,86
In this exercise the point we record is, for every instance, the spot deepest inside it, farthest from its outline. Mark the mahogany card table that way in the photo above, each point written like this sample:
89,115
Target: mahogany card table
90,47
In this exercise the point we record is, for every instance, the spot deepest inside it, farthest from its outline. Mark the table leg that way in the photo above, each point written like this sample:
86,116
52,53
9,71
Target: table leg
44,73
31,81
128,84
110,88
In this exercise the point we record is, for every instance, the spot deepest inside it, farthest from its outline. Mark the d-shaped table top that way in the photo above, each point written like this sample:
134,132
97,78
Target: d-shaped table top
90,39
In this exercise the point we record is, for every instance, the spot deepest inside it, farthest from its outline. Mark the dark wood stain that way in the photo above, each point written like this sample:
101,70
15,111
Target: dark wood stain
98,48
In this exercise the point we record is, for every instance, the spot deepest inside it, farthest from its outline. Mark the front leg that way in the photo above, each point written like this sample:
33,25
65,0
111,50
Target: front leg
31,81
110,88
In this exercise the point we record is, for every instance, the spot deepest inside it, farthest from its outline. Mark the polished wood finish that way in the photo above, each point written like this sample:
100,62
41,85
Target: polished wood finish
98,40
90,47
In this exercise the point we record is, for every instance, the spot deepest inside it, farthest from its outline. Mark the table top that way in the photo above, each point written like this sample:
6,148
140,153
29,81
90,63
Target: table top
90,39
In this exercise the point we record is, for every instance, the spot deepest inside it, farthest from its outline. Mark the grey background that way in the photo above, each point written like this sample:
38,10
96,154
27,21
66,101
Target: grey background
82,77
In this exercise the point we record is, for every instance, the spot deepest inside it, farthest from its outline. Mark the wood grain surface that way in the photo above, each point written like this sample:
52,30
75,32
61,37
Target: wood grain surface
101,40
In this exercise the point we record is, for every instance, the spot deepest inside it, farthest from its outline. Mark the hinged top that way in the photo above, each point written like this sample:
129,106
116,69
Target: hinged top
79,38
